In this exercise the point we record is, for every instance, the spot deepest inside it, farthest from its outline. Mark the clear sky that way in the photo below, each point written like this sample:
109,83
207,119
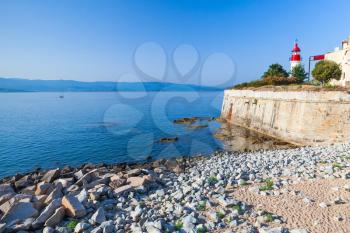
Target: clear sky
96,40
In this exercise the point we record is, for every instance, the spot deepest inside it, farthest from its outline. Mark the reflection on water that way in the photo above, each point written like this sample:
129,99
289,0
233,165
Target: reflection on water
237,138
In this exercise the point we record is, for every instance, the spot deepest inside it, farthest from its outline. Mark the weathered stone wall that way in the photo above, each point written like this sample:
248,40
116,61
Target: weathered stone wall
300,117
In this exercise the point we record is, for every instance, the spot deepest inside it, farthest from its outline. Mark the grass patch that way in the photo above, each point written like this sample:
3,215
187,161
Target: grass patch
212,180
201,206
238,208
268,217
201,230
220,215
337,165
178,225
268,185
243,183
72,223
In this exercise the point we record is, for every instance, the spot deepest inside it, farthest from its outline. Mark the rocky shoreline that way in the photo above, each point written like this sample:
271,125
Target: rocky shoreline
226,192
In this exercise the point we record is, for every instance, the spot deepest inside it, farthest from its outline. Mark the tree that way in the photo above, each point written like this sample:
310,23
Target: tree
299,73
275,70
326,70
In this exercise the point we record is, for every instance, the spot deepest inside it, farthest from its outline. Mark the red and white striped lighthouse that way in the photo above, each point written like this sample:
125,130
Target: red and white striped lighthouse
295,59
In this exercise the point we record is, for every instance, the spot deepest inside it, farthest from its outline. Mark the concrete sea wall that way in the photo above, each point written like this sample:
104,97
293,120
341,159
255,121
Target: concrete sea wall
299,117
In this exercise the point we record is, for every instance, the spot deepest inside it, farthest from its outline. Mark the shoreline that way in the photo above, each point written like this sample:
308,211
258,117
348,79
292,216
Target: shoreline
226,192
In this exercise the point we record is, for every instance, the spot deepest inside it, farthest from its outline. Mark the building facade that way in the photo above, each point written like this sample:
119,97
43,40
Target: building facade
342,57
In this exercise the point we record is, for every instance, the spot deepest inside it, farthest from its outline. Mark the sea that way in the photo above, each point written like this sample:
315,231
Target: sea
49,129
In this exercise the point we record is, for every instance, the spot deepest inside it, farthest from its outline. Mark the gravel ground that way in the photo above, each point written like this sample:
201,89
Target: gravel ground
293,190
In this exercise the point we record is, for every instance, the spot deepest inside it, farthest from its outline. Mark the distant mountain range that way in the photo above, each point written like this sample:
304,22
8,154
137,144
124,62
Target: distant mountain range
26,85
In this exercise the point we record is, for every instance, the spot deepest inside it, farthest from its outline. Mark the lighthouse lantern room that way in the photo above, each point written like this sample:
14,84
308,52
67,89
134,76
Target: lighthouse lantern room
295,59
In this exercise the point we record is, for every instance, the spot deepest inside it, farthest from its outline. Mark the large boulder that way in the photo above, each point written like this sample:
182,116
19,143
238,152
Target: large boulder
4,198
55,194
56,218
73,207
117,181
6,206
51,175
44,188
23,182
20,211
123,189
87,178
47,213
5,189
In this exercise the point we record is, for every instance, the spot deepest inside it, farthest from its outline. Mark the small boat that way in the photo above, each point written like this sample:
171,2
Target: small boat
61,96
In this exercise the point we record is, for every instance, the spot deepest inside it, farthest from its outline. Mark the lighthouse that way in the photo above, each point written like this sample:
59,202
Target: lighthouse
295,59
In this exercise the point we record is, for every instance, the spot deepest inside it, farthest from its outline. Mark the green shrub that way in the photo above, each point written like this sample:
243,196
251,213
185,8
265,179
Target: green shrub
201,230
278,81
326,70
268,217
275,70
238,208
212,180
299,73
220,215
337,165
329,86
268,185
178,225
273,81
201,206
72,224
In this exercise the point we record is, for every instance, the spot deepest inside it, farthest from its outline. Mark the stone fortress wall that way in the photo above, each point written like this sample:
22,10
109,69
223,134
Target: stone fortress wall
299,117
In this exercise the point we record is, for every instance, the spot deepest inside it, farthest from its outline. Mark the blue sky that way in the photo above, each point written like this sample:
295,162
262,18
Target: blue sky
96,40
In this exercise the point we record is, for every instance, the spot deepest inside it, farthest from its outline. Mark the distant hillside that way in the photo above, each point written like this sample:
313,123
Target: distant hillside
26,85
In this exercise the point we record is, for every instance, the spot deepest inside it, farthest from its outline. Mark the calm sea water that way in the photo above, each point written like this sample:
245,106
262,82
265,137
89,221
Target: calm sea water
43,130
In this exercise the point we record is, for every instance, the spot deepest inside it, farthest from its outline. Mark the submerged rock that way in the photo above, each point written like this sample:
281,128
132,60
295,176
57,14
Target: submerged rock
167,140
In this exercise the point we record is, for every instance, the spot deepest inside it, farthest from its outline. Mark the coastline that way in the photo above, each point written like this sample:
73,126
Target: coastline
226,192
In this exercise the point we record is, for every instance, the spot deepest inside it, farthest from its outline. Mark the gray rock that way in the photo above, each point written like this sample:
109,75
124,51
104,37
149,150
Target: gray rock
271,230
123,189
56,218
51,175
63,230
150,228
48,230
44,188
82,196
20,211
323,205
80,227
107,226
5,189
136,213
4,198
188,224
2,227
133,172
87,178
298,231
20,226
55,194
47,213
99,216
97,230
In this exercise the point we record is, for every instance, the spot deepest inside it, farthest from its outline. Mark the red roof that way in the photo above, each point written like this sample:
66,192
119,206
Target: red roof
296,48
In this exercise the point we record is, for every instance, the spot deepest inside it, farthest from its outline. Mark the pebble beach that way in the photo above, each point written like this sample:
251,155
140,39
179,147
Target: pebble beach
295,190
